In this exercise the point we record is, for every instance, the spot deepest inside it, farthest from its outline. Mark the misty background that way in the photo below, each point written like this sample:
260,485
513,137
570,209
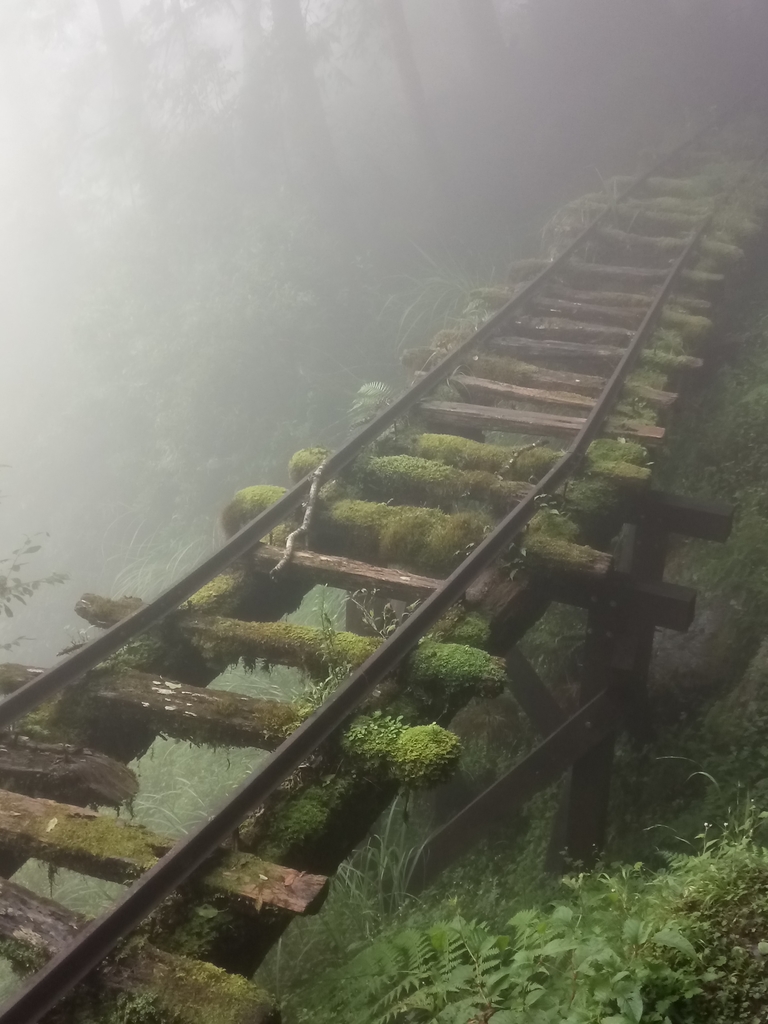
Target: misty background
220,218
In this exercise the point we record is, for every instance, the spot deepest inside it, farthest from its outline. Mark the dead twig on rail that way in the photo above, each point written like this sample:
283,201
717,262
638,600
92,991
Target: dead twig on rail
303,530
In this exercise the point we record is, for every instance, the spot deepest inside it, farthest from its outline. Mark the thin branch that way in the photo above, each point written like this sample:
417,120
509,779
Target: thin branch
306,522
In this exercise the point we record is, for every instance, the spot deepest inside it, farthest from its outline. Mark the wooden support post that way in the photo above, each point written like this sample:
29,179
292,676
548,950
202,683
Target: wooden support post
618,653
532,695
587,791
625,607
543,766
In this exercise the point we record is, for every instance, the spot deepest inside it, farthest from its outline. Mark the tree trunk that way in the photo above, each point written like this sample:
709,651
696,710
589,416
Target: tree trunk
118,43
259,128
412,84
485,41
311,143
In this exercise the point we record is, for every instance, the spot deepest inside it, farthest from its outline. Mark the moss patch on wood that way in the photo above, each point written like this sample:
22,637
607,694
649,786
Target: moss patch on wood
417,756
322,652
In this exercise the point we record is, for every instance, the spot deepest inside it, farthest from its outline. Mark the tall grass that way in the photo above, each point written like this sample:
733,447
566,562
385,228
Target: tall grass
368,894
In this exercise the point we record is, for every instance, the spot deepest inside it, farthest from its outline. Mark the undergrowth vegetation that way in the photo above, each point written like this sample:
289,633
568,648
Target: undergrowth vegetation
683,944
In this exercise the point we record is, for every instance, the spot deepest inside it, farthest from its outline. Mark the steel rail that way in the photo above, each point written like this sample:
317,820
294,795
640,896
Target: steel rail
69,671
102,935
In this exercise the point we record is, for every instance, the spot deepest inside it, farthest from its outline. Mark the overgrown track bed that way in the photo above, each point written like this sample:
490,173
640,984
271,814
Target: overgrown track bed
496,483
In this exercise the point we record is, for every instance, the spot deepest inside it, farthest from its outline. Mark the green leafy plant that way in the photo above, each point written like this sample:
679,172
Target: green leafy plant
591,960
369,401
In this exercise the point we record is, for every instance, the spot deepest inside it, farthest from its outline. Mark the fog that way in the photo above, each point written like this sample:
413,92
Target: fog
219,219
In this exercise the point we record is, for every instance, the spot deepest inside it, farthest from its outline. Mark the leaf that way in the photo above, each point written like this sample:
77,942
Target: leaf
631,1005
635,931
556,946
51,824
674,940
762,947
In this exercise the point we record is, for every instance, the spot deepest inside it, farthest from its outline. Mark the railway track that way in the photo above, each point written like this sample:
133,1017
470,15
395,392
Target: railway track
497,483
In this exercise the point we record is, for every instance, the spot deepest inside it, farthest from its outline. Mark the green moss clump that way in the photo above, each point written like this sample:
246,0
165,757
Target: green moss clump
551,540
589,498
304,816
632,412
224,642
93,842
528,463
42,724
426,755
247,504
624,463
461,627
24,957
657,359
691,328
645,377
717,252
306,461
461,452
532,462
454,672
398,476
424,539
409,478
490,298
200,993
451,337
417,756
667,352
702,278
219,597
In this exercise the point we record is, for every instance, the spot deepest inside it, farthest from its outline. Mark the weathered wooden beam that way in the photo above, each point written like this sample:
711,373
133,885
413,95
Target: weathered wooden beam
666,605
491,391
554,328
635,277
58,771
449,415
659,399
555,350
532,695
627,300
34,929
215,717
109,848
347,574
689,517
664,247
512,371
614,316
